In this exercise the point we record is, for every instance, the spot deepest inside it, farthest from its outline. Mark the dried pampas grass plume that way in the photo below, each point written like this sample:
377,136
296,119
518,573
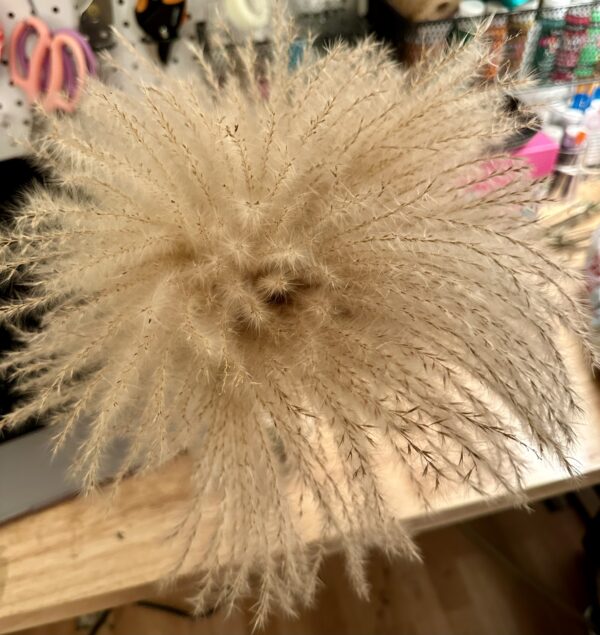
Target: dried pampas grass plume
280,286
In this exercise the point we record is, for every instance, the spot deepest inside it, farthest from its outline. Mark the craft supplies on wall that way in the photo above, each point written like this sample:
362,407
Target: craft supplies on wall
572,42
557,41
247,15
590,55
430,37
53,72
161,21
161,31
552,20
95,24
158,30
15,111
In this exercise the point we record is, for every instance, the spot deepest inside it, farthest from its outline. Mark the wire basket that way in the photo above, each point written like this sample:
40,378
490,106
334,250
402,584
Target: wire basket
549,46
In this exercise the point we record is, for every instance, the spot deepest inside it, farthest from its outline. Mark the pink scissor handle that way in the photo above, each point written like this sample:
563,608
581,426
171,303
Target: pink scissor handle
55,98
29,79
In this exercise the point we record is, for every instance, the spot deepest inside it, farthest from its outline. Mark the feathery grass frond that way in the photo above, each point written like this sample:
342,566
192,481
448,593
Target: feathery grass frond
290,289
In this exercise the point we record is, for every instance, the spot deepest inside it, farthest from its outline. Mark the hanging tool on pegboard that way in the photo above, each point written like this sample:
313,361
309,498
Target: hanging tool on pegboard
161,21
96,24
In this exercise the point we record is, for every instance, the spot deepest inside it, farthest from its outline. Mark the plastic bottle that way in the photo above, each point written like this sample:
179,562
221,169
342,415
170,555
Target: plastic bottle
571,114
580,102
591,122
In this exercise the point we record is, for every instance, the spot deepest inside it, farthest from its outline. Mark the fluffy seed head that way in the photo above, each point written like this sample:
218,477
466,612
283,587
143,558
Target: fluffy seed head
290,288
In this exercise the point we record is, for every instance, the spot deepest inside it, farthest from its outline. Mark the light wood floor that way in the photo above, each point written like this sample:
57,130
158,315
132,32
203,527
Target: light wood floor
514,573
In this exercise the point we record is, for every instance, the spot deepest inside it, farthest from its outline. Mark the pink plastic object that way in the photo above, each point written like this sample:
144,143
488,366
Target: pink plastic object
71,79
54,100
29,73
541,151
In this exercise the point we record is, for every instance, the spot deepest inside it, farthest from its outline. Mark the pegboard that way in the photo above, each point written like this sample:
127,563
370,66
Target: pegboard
15,112
181,58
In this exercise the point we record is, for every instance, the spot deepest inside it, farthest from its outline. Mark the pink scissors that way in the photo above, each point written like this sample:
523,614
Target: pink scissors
57,67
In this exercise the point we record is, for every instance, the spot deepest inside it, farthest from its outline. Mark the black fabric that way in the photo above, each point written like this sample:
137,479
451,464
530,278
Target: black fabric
388,26
16,175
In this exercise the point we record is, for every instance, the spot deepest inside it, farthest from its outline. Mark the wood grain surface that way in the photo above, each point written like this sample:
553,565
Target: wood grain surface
87,554
512,573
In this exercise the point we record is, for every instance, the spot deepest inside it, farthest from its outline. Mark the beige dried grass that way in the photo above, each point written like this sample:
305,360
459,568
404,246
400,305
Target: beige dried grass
259,281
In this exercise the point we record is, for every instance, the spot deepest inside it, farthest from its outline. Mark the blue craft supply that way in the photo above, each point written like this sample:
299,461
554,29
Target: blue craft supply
513,4
296,54
581,101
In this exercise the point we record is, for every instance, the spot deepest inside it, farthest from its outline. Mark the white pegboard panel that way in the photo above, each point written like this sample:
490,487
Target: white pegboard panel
15,113
82,5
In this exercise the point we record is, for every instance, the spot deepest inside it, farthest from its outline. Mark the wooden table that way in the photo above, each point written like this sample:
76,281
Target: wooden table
87,554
